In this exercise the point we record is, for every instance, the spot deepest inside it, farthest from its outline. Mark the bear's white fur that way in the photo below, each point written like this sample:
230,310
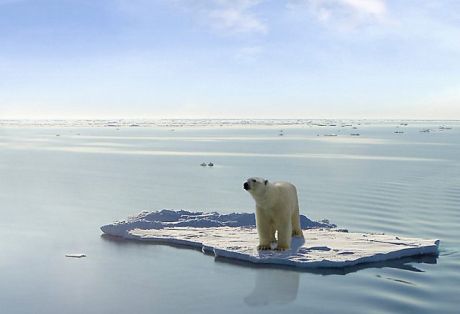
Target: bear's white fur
277,209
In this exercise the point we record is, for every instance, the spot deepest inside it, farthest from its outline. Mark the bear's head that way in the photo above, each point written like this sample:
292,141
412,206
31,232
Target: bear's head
255,186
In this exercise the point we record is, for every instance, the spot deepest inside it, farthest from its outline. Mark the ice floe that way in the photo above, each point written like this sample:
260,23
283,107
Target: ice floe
234,236
76,255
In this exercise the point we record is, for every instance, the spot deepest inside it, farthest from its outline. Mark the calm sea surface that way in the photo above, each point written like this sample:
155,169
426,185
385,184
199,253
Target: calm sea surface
56,191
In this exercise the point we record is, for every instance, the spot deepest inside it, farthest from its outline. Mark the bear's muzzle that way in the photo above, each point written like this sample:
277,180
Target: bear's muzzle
246,186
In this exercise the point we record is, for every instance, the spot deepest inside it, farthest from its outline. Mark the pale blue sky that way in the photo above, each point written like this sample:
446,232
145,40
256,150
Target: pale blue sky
230,59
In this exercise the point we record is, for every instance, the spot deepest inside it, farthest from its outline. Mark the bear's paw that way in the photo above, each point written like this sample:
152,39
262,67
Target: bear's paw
297,233
264,247
282,247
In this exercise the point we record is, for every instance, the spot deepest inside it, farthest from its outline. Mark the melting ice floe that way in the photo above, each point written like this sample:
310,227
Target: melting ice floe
234,236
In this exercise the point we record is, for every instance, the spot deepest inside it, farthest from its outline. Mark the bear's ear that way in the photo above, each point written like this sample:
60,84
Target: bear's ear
266,181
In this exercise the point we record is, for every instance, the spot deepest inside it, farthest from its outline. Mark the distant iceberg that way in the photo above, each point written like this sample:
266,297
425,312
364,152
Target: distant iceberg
234,236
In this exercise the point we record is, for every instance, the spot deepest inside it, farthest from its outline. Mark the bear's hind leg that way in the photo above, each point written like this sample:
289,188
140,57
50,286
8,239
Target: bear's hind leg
297,233
296,228
272,232
284,235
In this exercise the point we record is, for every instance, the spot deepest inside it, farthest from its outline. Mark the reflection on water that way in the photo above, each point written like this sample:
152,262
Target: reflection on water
273,286
280,285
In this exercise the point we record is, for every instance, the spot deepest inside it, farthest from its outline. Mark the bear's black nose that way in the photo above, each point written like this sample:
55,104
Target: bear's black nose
246,186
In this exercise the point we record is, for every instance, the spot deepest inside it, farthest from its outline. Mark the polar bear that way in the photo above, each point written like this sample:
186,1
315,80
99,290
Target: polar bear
277,209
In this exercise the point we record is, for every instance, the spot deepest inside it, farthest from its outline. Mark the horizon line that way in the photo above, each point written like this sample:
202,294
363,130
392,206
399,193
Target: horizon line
222,118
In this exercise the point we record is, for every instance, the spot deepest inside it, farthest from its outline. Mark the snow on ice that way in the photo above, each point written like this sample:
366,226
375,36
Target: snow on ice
234,236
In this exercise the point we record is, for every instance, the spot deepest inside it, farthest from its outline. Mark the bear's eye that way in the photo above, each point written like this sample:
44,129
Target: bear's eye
253,181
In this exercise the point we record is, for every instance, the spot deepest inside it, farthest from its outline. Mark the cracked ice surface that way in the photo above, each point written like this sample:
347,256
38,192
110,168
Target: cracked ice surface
235,237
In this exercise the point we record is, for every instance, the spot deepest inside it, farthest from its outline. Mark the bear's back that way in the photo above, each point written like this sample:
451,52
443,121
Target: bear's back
285,191
283,185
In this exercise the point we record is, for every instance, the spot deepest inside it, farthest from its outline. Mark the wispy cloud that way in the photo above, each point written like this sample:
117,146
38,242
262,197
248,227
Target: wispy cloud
237,16
375,8
236,20
347,14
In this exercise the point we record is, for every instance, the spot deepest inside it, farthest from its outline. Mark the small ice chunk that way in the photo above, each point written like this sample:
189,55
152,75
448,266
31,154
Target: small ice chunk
320,248
76,255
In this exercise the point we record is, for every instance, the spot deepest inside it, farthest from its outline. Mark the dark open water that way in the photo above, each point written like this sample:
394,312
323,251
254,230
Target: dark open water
55,192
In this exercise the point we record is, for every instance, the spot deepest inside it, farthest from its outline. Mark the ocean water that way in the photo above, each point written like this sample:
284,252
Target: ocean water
59,182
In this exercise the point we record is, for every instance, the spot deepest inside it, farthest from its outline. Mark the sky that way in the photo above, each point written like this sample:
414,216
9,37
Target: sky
230,59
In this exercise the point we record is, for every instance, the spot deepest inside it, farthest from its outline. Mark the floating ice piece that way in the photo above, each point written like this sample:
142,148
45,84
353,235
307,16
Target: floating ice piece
76,255
236,238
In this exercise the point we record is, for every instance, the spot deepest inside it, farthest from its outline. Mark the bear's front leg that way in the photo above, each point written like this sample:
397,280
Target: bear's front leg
284,235
264,230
